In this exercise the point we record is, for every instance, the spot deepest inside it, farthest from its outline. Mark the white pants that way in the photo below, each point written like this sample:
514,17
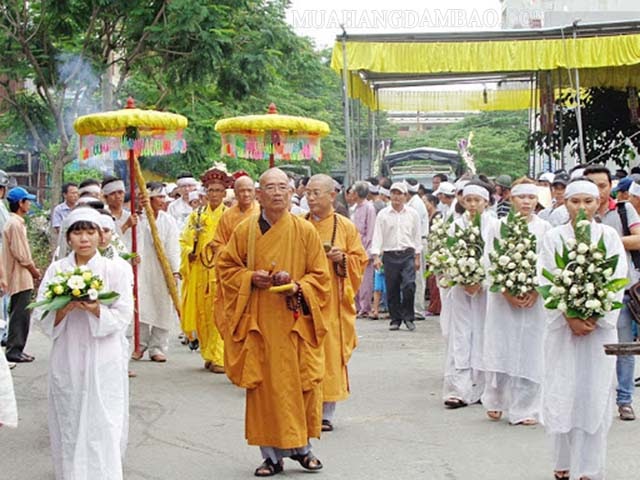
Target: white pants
583,454
466,385
153,339
277,454
328,411
518,397
421,284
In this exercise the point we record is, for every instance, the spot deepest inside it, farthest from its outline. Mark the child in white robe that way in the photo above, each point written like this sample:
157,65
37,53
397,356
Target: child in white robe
88,383
514,328
465,313
579,379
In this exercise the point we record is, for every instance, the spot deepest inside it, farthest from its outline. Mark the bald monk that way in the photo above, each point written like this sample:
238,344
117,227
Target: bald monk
347,260
273,341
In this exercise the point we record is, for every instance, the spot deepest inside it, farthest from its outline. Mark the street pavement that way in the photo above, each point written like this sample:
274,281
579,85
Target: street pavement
189,423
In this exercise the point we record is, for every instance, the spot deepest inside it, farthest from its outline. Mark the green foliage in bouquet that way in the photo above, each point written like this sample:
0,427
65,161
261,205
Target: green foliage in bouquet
466,247
436,258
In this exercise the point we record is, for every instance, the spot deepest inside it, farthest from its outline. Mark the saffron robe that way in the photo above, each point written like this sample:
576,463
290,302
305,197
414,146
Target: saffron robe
278,358
341,338
88,398
199,281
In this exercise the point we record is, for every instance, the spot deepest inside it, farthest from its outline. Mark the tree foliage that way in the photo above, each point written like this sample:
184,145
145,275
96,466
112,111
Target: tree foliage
607,128
499,142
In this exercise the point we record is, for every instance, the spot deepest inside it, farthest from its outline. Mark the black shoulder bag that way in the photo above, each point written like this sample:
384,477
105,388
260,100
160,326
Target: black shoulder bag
634,290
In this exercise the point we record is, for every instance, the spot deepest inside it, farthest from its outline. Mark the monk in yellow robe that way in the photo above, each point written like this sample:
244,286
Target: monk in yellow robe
273,340
347,260
197,262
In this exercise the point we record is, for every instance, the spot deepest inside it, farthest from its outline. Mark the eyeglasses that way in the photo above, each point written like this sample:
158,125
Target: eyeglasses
316,193
216,190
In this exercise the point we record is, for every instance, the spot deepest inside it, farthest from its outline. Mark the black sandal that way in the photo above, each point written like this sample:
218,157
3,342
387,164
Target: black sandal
268,468
327,426
561,475
306,460
453,403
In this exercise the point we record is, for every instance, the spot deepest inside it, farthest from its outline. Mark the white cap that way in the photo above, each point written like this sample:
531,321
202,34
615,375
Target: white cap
460,184
446,188
547,177
400,186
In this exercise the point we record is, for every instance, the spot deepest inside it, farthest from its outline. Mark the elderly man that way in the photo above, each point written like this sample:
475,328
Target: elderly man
347,261
198,275
273,339
364,218
180,209
246,206
157,312
397,244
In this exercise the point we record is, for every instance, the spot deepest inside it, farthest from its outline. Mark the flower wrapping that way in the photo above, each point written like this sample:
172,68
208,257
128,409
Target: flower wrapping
74,284
581,284
514,257
466,247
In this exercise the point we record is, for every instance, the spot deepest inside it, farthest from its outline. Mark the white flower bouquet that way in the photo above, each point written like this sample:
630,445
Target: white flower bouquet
581,284
438,252
74,284
513,259
466,246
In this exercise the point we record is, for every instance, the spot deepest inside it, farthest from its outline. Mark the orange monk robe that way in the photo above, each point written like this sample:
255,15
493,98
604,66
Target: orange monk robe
277,358
199,281
341,338
231,218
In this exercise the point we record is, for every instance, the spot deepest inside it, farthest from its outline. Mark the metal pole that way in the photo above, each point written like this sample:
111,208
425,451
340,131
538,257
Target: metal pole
348,177
578,104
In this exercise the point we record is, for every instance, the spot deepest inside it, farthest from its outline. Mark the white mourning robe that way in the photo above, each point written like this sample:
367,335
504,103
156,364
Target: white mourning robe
418,205
180,211
88,384
156,307
464,370
579,379
8,410
513,348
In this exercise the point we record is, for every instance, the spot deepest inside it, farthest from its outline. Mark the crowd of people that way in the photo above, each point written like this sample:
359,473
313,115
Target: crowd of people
273,272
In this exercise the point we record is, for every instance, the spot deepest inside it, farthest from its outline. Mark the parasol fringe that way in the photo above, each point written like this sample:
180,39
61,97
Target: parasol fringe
167,273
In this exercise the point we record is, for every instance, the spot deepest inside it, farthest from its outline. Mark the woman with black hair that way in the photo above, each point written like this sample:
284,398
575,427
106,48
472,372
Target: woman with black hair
88,383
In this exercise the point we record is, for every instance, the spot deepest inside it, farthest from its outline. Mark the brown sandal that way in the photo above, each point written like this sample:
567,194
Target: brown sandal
268,468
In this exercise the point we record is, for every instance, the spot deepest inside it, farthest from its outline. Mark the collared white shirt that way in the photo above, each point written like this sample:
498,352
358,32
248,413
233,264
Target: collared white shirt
396,231
180,211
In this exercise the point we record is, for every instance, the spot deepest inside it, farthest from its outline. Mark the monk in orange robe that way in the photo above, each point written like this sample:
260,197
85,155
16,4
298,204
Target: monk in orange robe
273,340
347,260
246,206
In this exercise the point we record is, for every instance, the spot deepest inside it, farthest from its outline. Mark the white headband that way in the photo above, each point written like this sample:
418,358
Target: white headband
95,189
83,214
374,189
577,173
159,192
460,184
384,191
524,189
195,195
476,190
186,181
581,187
634,189
115,186
88,199
107,222
413,188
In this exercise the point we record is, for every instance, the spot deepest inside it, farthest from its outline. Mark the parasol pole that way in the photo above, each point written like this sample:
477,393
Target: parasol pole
131,133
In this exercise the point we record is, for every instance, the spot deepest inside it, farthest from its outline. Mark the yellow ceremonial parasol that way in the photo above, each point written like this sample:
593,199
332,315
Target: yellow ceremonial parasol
272,136
127,134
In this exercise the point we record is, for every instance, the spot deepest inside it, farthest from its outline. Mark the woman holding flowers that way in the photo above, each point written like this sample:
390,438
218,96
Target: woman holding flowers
88,384
514,327
469,235
580,278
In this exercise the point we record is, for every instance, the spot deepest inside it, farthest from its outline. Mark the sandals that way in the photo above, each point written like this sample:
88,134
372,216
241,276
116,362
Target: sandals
527,422
561,475
454,403
308,461
327,426
268,468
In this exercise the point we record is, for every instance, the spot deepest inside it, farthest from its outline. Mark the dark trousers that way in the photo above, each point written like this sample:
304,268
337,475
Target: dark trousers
19,323
400,280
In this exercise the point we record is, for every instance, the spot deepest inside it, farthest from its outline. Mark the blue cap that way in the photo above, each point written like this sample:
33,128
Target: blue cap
624,184
17,194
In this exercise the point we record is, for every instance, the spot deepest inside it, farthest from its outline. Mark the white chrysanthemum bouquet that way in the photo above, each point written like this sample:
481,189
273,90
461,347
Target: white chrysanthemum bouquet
581,284
438,252
74,284
513,259
466,246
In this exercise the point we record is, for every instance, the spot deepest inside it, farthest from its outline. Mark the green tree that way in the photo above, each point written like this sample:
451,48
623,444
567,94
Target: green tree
499,142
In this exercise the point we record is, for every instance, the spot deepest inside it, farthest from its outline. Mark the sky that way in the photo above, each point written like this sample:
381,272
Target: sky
321,20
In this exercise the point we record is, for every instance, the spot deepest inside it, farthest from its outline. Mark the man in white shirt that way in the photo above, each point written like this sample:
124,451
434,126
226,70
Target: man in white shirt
446,195
396,236
415,201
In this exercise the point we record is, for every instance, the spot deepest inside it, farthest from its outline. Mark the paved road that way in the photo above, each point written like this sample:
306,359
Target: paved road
188,423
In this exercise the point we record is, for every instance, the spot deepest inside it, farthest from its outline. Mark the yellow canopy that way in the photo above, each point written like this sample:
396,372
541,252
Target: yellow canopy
113,124
268,122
